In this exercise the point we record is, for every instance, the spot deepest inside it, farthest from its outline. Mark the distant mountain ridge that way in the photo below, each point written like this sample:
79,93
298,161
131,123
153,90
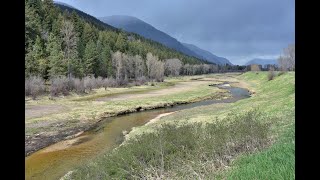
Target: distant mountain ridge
64,4
133,24
262,61
208,55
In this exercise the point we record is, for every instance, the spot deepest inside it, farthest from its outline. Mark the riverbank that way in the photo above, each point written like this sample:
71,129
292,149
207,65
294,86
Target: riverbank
170,152
49,121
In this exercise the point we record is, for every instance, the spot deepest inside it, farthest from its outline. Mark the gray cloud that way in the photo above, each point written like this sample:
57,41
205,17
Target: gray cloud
231,28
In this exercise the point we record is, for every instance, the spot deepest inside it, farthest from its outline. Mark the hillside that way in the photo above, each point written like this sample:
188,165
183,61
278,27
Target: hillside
135,25
207,55
61,40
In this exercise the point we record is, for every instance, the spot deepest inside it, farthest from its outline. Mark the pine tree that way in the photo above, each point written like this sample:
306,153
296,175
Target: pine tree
57,64
49,15
32,27
121,43
90,58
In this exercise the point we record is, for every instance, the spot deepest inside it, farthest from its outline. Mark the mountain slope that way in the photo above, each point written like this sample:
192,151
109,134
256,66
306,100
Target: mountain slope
132,24
155,46
66,7
262,61
207,55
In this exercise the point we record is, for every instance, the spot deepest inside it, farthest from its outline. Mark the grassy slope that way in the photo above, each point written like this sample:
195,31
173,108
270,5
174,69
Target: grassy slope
276,100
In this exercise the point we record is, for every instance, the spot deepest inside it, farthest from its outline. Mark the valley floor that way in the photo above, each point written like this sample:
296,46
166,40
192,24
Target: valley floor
51,120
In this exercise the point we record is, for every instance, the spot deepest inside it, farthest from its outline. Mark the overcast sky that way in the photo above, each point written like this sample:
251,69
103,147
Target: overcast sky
236,29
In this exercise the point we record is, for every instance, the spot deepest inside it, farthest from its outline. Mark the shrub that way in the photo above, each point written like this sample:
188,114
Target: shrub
89,83
59,85
178,152
99,82
109,82
271,75
281,73
79,86
34,86
122,82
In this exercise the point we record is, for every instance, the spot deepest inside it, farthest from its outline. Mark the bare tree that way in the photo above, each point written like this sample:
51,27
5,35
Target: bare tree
173,67
159,71
117,64
286,61
155,68
205,68
70,39
138,66
187,69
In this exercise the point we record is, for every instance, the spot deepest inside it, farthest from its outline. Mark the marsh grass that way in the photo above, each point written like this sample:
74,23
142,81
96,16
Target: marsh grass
190,151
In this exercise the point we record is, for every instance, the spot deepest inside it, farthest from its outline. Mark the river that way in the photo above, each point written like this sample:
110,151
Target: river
56,160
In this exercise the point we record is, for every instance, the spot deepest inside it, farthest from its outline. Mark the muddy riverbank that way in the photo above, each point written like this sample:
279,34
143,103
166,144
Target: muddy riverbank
39,141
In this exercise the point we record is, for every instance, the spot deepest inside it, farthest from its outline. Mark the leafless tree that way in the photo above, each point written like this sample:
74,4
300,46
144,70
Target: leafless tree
172,67
70,39
187,69
155,68
286,61
205,68
138,66
117,64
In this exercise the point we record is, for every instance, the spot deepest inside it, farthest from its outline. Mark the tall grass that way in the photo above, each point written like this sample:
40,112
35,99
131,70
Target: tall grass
186,152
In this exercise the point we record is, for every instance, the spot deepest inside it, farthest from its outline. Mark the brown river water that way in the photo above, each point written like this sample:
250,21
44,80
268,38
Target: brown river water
56,160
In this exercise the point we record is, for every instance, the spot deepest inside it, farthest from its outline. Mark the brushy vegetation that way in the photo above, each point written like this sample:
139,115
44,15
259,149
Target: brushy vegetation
34,86
62,85
187,152
281,73
271,75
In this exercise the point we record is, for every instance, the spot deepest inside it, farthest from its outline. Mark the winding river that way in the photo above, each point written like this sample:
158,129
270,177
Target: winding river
56,160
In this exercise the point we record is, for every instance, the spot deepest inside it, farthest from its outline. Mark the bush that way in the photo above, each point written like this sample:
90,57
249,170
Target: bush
109,82
271,75
141,80
89,83
34,86
281,73
59,85
79,86
122,82
178,152
99,82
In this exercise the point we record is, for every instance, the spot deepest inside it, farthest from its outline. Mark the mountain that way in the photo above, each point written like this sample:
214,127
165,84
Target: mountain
262,61
66,7
133,24
207,55
64,4
153,46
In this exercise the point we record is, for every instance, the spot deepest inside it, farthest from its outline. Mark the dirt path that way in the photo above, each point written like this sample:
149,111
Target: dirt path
41,110
179,87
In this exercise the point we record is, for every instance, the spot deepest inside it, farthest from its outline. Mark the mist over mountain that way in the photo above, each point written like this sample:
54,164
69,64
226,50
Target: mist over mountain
262,61
133,24
207,55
